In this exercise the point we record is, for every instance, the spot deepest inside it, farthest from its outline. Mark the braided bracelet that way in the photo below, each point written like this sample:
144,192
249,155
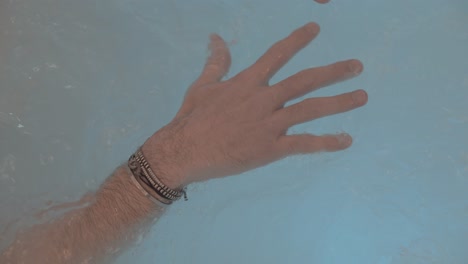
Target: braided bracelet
141,170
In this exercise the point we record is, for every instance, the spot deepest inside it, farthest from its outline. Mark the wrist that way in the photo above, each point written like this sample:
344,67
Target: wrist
163,165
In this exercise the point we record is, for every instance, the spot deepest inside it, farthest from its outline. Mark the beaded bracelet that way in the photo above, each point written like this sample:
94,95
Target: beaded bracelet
141,170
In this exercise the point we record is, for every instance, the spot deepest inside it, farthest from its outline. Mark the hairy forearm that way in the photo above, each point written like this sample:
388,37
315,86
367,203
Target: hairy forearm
96,233
117,216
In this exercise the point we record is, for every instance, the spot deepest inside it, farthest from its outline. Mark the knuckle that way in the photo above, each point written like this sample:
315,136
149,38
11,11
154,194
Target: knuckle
312,108
337,68
244,77
271,128
346,102
277,50
301,35
341,103
306,79
270,96
300,109
213,67
282,85
291,147
304,34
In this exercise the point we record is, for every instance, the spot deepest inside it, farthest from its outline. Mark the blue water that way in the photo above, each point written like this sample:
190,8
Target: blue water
82,83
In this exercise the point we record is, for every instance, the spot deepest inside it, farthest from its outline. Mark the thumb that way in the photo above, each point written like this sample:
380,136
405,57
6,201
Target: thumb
217,64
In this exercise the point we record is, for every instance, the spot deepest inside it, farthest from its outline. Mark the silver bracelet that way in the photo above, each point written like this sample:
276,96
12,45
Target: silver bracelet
145,193
142,171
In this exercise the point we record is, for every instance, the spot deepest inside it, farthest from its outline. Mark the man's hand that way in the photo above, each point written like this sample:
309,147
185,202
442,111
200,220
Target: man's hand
228,127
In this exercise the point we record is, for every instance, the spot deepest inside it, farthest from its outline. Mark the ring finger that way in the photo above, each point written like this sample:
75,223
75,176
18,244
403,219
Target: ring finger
314,108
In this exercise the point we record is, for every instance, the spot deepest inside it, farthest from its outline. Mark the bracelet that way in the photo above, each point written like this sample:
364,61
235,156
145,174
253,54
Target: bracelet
145,193
142,171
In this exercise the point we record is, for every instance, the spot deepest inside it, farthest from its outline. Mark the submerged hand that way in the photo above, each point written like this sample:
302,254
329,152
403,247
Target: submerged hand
229,127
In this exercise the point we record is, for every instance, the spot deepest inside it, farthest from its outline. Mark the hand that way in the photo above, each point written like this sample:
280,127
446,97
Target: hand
228,127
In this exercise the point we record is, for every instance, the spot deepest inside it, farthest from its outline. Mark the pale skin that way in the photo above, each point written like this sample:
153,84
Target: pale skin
224,127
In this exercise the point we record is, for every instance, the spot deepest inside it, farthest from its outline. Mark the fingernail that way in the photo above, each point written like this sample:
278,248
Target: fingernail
345,139
359,97
355,66
312,27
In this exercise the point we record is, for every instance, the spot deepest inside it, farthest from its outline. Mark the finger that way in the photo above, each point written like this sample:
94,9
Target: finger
313,108
280,53
217,64
306,143
315,78
322,1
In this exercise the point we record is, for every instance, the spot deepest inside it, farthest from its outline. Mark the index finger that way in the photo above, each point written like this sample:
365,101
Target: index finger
280,53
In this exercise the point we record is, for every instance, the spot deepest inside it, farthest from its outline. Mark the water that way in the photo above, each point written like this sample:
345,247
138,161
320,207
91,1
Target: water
83,83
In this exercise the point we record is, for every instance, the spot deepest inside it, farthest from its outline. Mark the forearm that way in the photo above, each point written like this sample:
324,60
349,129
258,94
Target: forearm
119,213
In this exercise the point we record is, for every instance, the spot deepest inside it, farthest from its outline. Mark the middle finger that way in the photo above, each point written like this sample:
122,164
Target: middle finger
313,79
